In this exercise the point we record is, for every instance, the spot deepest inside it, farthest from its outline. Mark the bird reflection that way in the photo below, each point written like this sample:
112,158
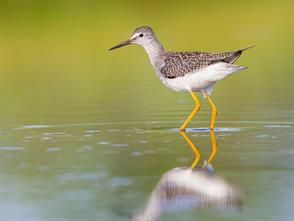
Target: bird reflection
197,152
190,188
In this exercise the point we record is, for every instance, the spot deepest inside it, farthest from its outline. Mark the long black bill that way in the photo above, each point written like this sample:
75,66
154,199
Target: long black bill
121,45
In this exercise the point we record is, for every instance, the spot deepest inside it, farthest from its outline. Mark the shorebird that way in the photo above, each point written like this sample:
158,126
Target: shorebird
186,71
181,189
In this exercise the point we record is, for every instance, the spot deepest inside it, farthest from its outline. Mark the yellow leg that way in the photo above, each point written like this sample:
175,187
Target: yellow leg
196,109
214,147
214,111
194,148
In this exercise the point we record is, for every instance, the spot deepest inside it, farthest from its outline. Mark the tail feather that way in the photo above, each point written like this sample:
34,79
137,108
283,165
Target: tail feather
232,58
244,49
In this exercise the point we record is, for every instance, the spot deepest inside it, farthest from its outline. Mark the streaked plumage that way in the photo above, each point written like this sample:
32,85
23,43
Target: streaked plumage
177,64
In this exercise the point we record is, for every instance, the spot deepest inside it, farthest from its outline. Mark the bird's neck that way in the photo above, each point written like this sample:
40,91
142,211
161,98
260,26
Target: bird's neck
155,52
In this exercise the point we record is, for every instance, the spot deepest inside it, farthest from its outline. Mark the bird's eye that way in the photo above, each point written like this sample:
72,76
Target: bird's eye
141,35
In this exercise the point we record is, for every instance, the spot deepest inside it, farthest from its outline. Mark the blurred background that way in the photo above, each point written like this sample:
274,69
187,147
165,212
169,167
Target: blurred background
85,134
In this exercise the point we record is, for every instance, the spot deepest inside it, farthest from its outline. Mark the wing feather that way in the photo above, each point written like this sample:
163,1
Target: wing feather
177,64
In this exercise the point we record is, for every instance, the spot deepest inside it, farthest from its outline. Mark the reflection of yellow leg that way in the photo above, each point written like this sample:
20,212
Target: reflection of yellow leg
214,111
194,148
196,108
214,147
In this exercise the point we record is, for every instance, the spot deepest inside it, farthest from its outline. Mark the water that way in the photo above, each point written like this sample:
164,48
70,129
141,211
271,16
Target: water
86,134
96,169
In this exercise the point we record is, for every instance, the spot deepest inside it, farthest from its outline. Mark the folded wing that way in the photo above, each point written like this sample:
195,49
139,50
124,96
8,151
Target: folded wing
177,64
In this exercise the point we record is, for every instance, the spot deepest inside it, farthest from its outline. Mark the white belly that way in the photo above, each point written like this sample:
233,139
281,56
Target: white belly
202,80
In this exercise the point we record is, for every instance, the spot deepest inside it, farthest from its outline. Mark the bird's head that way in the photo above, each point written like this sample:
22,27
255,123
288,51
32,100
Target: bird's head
141,36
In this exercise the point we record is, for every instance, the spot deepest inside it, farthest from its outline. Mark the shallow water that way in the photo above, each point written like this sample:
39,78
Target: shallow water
105,170
86,134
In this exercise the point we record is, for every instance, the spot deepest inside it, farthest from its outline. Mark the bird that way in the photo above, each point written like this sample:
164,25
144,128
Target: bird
181,189
186,71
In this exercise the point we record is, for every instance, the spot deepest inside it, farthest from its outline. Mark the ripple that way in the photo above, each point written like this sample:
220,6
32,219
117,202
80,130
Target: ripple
137,153
262,135
12,148
34,126
206,129
92,131
85,148
53,133
53,149
40,126
278,126
103,142
45,138
120,145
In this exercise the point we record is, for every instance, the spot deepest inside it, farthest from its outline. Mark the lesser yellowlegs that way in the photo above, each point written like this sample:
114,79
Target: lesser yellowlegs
186,71
181,189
